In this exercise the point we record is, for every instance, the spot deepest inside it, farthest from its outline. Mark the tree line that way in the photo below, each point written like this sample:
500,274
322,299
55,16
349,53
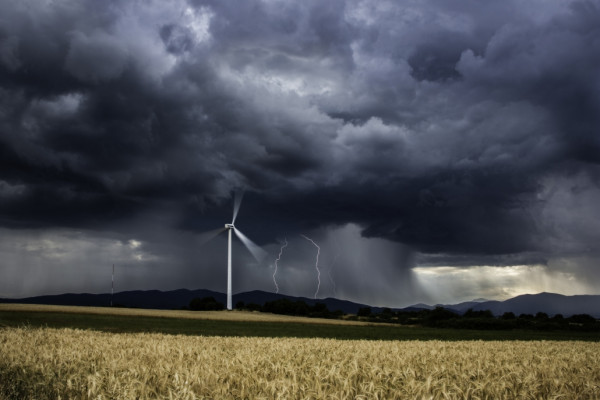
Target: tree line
438,317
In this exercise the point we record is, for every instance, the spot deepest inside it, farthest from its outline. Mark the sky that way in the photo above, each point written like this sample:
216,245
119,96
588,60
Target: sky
435,151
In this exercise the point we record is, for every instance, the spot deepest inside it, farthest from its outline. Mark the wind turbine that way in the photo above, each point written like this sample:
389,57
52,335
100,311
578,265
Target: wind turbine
254,249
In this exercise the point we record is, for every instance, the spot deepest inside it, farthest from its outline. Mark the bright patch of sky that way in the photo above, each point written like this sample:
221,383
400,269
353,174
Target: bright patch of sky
445,285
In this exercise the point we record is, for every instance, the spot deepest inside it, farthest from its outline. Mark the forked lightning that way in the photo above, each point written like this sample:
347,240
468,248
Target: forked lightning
316,264
276,261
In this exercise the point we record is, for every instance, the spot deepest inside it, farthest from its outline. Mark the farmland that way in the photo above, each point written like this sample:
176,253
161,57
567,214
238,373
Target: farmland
183,314
251,324
48,363
50,352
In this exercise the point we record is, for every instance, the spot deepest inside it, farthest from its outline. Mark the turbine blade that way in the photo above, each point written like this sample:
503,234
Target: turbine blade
206,237
255,249
237,202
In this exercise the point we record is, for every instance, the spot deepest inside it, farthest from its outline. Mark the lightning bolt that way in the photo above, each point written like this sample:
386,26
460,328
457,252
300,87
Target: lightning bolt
316,264
278,258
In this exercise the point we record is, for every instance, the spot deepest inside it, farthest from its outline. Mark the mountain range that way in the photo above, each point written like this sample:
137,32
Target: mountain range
549,303
179,298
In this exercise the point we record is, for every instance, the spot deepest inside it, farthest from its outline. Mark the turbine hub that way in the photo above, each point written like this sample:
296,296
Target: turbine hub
229,226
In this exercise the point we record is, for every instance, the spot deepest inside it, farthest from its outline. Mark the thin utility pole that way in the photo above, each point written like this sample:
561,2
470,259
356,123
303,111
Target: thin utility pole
112,290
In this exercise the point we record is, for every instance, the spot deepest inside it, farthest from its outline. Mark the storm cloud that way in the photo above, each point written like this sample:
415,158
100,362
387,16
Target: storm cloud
460,133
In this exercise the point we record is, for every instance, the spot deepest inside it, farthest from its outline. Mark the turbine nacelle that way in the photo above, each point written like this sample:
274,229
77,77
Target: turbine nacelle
229,226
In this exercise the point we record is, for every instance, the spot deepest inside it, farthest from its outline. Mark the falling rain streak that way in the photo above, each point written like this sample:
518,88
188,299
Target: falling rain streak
331,277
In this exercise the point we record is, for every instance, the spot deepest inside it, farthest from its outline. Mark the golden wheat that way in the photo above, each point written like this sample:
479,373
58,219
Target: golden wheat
76,364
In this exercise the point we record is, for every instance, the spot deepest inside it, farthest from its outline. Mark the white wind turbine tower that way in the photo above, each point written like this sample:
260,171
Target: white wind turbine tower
254,249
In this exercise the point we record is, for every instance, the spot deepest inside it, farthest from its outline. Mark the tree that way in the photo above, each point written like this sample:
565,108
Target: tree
386,313
541,315
320,307
478,314
319,310
286,307
280,306
364,312
205,304
509,315
582,319
440,314
301,308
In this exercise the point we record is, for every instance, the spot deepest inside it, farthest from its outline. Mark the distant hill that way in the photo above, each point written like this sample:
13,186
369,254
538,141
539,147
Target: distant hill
550,303
179,298
137,298
461,308
261,297
420,306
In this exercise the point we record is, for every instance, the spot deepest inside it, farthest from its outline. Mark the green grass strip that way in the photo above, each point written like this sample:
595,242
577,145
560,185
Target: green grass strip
180,326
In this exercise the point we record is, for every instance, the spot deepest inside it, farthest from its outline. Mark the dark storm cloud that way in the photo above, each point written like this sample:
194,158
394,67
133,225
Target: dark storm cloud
440,124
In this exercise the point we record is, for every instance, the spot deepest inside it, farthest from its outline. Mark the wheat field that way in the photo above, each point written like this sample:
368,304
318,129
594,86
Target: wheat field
44,363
